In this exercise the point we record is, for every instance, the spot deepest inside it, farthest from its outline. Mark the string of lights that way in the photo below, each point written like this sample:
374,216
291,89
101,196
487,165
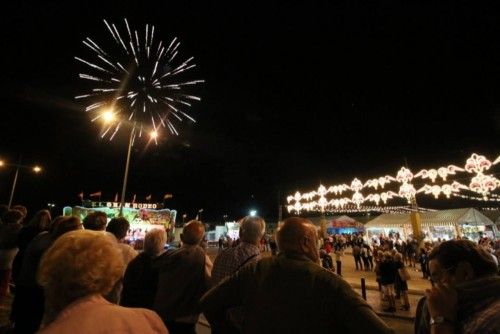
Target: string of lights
480,183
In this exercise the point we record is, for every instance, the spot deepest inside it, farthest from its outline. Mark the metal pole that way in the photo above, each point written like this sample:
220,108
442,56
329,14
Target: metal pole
363,288
280,212
13,187
125,177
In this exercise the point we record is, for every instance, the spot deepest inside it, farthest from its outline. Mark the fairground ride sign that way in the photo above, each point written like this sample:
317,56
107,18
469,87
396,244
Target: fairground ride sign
149,206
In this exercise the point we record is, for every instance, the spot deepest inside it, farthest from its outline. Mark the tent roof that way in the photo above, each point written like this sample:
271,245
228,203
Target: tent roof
494,215
343,218
344,222
432,218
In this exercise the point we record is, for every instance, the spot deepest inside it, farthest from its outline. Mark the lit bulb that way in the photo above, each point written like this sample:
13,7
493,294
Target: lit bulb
153,134
37,169
2,163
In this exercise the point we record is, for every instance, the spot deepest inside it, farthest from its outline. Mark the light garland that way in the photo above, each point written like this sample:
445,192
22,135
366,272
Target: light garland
442,172
480,183
380,209
491,199
446,189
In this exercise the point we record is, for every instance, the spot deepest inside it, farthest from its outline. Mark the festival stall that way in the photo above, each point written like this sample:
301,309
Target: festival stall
142,216
444,224
344,225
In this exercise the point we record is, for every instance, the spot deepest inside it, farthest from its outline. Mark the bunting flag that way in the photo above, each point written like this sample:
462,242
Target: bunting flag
81,195
116,198
96,194
133,199
167,196
148,198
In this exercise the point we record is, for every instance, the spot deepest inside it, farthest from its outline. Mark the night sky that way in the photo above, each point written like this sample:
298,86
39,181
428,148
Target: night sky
295,94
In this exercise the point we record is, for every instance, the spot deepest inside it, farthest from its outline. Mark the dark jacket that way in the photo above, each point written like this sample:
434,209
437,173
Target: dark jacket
289,293
140,283
388,272
181,283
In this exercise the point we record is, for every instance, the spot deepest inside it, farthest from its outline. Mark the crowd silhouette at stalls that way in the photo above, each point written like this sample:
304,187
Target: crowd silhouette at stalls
70,276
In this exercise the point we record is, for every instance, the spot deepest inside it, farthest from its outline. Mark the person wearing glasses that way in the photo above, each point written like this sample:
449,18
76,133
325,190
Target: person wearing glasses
465,296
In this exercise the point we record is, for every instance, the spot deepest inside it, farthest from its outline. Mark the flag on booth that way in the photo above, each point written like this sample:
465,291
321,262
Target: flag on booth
96,194
167,196
81,195
148,198
116,198
133,199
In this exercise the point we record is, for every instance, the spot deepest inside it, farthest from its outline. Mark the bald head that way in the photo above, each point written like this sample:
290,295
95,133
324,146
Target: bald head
298,235
193,232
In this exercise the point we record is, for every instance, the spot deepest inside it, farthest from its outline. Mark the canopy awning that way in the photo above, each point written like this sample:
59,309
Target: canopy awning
451,217
343,222
493,215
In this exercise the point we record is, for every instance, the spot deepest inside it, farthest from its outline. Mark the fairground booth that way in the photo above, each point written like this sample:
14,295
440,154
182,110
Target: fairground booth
343,225
142,216
444,224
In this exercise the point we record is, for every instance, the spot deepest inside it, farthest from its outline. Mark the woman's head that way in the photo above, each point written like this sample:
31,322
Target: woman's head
154,242
41,220
78,264
64,225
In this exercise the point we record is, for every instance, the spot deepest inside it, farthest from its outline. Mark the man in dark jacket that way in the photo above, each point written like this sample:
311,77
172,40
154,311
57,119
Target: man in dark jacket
184,276
291,292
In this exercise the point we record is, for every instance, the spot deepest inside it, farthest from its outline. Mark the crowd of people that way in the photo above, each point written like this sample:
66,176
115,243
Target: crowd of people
72,276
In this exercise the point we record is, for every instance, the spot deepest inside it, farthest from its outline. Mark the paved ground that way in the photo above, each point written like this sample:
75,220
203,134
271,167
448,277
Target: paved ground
400,326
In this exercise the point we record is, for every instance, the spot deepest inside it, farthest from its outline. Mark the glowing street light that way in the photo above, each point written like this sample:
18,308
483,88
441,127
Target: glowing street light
36,169
253,213
153,134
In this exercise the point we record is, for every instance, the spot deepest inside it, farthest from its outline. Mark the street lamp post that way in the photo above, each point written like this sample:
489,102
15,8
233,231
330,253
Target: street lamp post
36,169
13,187
125,177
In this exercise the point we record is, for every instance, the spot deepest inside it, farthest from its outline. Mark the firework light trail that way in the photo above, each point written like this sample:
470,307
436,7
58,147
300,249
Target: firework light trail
141,81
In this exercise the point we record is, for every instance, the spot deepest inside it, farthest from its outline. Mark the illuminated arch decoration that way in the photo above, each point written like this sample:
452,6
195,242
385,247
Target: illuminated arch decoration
405,185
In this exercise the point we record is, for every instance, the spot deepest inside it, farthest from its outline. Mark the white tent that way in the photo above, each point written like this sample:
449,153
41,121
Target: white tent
433,220
494,215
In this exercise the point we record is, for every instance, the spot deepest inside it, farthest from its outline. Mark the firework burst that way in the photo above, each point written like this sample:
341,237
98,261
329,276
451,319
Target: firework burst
139,80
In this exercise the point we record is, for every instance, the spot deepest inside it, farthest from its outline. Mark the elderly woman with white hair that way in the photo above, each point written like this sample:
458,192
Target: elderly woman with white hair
141,279
76,272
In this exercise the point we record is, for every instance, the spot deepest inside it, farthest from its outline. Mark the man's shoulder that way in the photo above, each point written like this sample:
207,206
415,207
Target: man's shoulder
226,252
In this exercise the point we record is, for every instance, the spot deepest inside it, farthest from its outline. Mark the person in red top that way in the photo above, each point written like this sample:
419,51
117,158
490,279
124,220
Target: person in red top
328,246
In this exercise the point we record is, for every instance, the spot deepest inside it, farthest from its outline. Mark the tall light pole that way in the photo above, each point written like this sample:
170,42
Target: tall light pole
13,186
36,169
125,177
